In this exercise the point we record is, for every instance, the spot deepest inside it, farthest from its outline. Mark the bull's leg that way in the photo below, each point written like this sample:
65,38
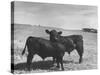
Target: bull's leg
57,60
80,49
29,60
80,59
54,60
80,52
61,62
69,53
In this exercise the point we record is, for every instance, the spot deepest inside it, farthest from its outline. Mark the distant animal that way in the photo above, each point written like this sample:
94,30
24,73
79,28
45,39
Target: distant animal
44,48
70,42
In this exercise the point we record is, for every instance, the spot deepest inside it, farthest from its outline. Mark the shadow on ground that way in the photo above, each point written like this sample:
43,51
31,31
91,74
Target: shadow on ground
43,65
35,65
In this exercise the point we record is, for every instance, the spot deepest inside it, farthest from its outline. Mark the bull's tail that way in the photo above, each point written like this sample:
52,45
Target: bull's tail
24,49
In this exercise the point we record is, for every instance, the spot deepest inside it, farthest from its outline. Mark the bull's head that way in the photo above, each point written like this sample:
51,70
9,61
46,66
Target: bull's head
54,35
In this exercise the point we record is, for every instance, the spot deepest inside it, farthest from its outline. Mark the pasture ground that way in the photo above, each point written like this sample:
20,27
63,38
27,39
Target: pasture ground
21,32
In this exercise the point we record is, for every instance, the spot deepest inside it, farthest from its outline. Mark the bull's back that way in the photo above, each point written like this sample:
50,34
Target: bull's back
75,38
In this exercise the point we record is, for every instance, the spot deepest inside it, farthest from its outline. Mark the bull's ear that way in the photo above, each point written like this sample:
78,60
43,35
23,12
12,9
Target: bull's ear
60,32
47,31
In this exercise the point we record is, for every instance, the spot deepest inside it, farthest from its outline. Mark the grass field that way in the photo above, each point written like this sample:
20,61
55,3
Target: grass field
22,32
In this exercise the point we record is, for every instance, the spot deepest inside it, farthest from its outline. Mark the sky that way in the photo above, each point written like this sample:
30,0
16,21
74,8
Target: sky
64,16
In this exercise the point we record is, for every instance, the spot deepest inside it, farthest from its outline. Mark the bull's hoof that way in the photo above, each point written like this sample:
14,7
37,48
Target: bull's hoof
26,69
58,66
80,62
63,69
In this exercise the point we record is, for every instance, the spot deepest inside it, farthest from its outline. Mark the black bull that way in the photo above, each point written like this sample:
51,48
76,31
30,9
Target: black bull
44,48
70,42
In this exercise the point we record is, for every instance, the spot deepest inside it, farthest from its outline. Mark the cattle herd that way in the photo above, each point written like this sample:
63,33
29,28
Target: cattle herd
55,47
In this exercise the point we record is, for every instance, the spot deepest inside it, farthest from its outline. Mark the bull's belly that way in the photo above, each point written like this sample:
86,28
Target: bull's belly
45,55
69,50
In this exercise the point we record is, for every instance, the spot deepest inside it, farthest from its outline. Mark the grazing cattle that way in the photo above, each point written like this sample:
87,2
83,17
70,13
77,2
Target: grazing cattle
71,42
44,48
